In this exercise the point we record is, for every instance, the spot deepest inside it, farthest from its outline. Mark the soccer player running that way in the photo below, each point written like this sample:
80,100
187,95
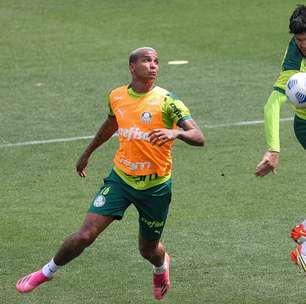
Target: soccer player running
145,117
293,62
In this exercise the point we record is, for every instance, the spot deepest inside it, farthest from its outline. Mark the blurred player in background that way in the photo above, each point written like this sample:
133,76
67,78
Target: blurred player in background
145,118
293,62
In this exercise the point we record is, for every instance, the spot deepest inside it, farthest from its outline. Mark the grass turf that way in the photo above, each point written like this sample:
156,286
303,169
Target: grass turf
227,231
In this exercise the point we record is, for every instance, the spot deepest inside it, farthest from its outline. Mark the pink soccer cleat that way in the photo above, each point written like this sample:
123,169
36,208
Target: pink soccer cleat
31,281
161,282
298,258
298,234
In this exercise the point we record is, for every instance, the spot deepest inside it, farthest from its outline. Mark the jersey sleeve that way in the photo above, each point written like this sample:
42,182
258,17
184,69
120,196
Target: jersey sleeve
272,116
174,111
110,110
291,64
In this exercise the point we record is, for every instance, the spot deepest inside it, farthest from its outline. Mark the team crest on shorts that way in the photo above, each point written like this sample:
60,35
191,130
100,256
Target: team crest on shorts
146,117
99,201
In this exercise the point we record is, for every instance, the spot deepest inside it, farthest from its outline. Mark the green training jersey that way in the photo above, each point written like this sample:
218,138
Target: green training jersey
293,62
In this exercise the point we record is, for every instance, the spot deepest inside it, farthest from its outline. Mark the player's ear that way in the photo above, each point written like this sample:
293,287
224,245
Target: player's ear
132,67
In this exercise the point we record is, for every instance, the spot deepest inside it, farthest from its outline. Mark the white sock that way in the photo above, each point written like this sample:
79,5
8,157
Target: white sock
160,269
49,269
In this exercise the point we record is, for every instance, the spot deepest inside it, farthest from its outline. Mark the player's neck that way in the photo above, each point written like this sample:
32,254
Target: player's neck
142,87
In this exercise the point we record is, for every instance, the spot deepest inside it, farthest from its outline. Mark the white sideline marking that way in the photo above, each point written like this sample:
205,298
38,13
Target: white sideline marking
176,62
58,140
242,123
48,141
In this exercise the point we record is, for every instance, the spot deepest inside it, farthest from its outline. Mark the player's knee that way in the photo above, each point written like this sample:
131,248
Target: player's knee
147,253
86,238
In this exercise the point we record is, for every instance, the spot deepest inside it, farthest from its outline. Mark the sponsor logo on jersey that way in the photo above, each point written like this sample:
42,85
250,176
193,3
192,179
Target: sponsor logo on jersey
133,133
135,165
176,110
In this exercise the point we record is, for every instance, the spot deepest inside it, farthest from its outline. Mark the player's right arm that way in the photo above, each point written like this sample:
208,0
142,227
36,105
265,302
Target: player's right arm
105,132
291,65
271,118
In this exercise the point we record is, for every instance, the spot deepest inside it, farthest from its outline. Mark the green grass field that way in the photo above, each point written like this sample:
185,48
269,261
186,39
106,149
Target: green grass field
227,232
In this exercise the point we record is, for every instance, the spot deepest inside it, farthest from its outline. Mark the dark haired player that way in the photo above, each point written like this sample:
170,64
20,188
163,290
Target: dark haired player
294,61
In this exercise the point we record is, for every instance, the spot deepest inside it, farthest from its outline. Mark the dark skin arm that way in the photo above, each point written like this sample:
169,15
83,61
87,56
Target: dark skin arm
107,129
190,134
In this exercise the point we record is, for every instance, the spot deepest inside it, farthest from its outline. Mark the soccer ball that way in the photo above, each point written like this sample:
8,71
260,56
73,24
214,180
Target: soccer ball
296,90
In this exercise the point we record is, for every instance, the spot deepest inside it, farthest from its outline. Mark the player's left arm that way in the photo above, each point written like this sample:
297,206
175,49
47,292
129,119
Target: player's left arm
190,134
176,113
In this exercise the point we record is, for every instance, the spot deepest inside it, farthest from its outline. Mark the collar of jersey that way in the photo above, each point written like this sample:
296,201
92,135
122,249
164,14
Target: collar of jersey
136,94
